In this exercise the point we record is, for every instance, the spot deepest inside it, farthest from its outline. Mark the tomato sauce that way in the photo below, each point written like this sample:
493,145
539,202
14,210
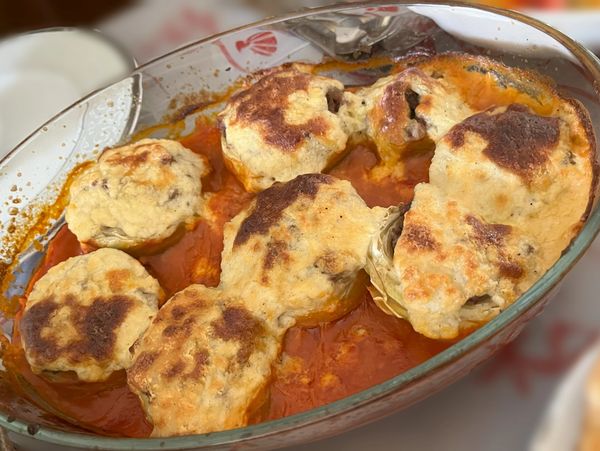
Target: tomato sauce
318,365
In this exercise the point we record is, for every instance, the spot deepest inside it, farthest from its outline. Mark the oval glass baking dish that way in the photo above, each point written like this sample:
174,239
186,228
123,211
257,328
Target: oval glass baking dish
171,89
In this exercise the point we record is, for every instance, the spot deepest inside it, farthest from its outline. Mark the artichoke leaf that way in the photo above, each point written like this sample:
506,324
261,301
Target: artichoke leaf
380,264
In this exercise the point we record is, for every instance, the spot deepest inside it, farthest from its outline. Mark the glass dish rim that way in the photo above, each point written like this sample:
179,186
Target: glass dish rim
535,294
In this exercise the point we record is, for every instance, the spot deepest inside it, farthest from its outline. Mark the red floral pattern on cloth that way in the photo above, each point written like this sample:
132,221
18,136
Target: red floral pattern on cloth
563,343
183,27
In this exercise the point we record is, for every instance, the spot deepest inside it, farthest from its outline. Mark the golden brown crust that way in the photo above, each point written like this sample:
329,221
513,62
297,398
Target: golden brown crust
289,122
96,326
450,269
137,197
525,166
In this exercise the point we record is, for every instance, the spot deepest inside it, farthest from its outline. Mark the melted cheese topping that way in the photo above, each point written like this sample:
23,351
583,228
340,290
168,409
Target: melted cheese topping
203,363
297,250
452,269
137,195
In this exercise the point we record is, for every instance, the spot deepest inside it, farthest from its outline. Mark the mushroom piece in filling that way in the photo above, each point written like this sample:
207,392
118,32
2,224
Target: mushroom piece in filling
407,107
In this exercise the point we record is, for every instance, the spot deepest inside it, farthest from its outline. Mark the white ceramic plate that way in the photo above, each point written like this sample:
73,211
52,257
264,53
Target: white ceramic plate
43,72
560,428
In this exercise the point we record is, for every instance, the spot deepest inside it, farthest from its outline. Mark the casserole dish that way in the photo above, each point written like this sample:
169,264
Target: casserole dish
173,89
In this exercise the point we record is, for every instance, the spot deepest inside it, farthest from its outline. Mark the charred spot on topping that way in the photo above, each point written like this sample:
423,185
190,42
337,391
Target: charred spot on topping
488,234
169,331
144,361
276,251
516,139
265,103
97,324
116,279
510,269
104,184
33,322
270,203
495,235
178,312
237,324
328,263
176,369
243,354
200,361
167,159
334,99
132,160
174,194
184,328
419,237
